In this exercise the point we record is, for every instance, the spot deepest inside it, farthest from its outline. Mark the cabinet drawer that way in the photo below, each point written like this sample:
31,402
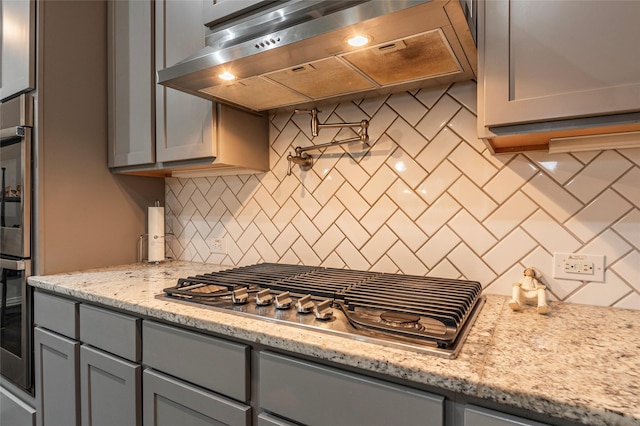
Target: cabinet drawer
14,411
111,331
265,419
293,388
476,416
197,358
56,314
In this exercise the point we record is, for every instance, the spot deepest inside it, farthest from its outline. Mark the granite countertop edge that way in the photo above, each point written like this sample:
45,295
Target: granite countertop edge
556,365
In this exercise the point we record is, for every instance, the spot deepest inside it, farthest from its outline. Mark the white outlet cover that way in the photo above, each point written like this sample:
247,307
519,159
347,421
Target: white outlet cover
219,246
577,267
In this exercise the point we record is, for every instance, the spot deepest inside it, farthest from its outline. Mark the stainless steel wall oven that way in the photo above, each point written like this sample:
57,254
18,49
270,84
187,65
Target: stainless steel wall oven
16,119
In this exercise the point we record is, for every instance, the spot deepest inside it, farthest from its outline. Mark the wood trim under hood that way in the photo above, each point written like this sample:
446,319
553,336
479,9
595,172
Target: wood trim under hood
267,81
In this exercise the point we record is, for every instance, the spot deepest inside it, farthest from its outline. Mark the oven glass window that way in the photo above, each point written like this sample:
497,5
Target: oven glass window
10,162
11,311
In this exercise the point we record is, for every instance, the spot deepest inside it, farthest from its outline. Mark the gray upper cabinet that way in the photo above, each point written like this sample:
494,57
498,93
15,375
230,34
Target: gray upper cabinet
158,131
560,59
184,123
17,47
217,11
131,83
548,61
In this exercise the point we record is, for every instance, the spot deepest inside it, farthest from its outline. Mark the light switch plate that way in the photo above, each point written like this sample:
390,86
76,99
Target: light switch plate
578,267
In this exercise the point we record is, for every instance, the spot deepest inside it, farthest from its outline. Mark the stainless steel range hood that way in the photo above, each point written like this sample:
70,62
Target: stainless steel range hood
295,53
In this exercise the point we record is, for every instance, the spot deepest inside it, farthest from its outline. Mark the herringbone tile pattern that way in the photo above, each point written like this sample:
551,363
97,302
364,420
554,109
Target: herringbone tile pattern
425,198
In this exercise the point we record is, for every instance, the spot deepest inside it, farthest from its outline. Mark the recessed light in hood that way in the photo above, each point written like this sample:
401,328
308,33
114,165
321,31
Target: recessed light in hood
417,44
358,40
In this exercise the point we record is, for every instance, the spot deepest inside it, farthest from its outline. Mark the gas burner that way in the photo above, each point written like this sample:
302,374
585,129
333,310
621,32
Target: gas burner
426,314
401,320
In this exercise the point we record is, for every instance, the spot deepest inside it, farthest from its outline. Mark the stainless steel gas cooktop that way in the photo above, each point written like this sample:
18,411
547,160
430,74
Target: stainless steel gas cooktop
423,314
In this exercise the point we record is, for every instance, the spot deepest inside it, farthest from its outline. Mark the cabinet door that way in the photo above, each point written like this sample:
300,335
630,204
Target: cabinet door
184,123
546,60
476,416
57,382
131,83
110,389
17,47
170,402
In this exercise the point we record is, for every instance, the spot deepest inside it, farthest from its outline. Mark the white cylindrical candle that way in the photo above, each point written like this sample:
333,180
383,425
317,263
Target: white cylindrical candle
155,231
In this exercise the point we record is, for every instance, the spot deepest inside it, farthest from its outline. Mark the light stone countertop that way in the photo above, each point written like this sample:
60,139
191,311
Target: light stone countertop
580,363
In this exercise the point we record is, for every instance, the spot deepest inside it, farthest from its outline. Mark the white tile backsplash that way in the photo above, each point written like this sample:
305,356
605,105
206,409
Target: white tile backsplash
425,198
552,197
472,232
510,214
438,117
510,179
627,269
550,234
598,215
629,186
597,175
478,203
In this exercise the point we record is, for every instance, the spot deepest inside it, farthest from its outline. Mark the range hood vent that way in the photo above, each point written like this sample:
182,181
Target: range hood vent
301,57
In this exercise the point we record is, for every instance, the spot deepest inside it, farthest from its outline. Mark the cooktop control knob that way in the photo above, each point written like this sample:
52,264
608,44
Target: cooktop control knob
264,297
283,301
240,296
323,310
304,305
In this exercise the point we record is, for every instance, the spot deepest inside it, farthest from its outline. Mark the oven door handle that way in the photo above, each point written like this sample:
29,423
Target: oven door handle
11,133
14,265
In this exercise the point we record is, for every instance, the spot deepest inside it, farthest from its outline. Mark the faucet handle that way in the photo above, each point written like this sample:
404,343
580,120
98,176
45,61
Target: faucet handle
289,157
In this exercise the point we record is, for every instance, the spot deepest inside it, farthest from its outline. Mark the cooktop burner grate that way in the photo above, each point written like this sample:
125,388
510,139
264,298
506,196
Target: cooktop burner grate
328,283
415,310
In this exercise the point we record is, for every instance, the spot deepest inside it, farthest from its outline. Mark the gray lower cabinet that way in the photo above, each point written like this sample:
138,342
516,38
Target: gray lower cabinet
477,416
110,389
312,394
129,371
14,411
205,361
57,386
265,419
98,385
168,402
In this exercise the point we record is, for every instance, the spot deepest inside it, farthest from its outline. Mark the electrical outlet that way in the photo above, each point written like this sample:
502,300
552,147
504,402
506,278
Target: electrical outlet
578,267
219,246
